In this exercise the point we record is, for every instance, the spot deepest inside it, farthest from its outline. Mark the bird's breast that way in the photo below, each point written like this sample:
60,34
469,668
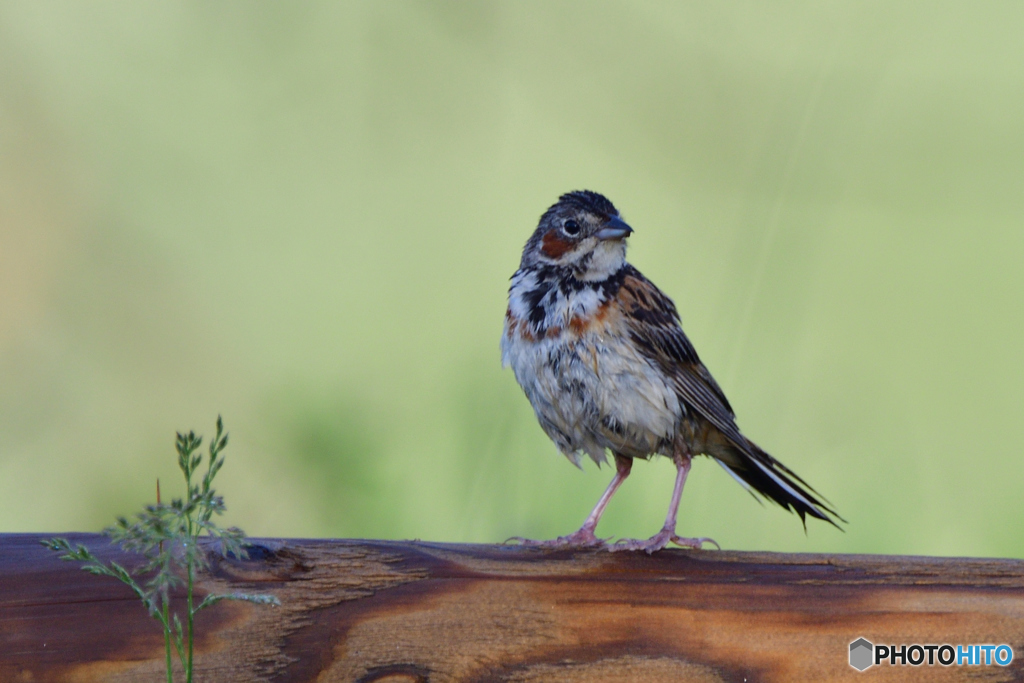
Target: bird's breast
587,381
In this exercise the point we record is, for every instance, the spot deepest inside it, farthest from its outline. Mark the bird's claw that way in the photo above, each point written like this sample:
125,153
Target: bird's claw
584,538
660,540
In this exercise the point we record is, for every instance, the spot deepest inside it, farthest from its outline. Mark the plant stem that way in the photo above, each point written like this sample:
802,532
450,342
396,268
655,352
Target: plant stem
167,642
166,608
191,616
190,551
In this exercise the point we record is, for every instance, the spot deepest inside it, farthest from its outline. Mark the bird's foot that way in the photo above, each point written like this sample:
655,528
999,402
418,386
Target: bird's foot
660,540
584,538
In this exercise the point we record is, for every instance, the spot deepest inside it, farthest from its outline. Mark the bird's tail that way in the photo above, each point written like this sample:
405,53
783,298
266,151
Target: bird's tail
757,471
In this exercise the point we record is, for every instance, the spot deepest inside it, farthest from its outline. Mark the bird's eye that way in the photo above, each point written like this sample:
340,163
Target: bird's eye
571,227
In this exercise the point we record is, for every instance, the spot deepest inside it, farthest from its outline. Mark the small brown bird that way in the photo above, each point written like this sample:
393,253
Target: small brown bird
600,353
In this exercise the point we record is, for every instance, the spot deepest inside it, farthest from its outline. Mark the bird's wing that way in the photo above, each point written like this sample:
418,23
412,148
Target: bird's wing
653,324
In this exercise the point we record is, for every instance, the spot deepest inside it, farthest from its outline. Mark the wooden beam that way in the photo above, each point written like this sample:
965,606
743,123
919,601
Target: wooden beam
413,611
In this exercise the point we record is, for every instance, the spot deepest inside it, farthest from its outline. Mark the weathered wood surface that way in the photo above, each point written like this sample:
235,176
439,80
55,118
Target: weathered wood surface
411,611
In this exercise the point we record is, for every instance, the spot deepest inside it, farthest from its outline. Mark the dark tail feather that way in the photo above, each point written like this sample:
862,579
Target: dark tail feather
758,471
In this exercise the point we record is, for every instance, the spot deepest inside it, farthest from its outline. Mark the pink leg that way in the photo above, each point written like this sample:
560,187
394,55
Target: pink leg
585,535
668,532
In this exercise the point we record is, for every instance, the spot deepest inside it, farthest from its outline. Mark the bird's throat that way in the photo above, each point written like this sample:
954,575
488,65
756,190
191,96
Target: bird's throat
604,261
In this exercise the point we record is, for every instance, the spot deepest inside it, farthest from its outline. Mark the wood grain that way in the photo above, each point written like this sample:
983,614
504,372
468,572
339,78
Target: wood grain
411,611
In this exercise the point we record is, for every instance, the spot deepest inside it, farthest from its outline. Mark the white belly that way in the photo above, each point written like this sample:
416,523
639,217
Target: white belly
592,393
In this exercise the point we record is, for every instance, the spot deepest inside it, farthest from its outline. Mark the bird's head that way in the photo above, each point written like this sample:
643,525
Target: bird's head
583,233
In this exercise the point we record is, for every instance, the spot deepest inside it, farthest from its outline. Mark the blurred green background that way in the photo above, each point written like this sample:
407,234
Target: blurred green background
304,216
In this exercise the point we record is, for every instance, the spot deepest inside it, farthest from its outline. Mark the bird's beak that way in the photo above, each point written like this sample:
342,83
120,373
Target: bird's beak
614,229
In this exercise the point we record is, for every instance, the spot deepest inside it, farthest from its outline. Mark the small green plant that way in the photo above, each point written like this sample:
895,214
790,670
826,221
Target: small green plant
167,535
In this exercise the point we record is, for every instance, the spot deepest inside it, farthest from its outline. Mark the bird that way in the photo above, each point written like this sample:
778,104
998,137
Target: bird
601,355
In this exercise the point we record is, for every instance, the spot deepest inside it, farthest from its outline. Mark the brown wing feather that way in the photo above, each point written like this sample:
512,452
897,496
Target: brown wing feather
655,327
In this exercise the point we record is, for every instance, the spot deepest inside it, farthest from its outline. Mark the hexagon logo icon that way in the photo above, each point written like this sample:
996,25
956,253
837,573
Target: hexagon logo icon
861,654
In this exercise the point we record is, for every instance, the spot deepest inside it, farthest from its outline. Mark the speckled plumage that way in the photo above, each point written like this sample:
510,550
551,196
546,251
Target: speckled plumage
600,353
591,387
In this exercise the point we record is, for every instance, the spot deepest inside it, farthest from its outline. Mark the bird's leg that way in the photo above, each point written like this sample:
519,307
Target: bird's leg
668,532
622,468
585,535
